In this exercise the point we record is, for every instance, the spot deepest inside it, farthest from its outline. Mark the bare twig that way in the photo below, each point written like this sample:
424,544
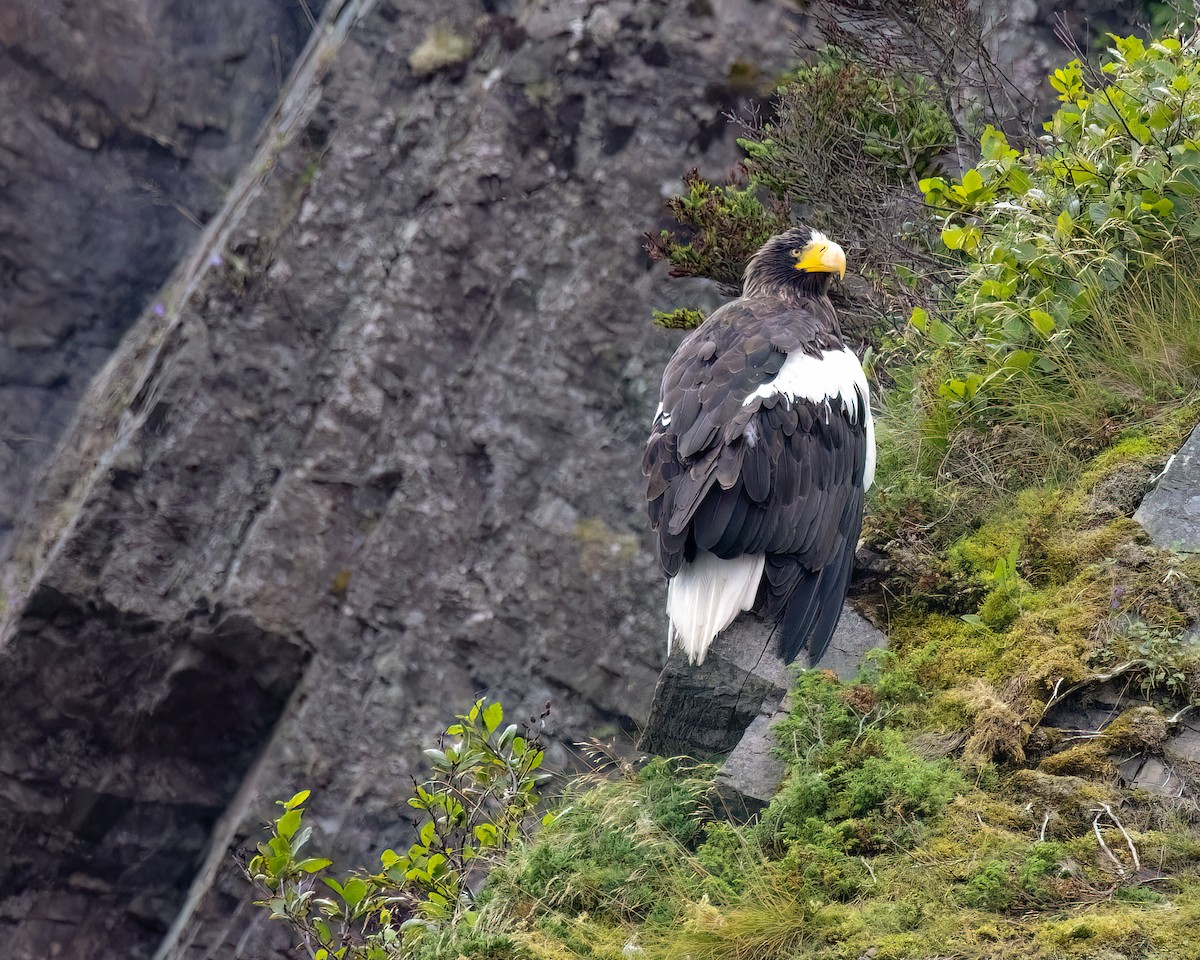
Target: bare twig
1122,870
1174,718
1104,846
1137,862
1118,671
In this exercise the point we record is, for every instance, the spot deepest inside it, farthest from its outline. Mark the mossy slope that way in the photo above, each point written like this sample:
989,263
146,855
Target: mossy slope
931,809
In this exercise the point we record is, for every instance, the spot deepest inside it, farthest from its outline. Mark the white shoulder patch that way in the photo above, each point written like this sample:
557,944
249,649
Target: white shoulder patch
835,373
818,379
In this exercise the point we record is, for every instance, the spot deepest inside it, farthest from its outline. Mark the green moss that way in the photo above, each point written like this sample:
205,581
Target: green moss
1158,438
1000,607
1067,799
939,651
1135,731
898,785
560,937
441,47
1043,861
1066,554
1091,760
990,888
603,549
1047,646
465,942
1119,932
728,859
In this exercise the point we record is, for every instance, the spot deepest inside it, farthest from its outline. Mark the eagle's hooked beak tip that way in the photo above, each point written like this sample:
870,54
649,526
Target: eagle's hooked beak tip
836,257
823,257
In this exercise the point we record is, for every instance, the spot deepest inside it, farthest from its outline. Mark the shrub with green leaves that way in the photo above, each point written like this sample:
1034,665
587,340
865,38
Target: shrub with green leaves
843,128
482,790
1046,237
845,146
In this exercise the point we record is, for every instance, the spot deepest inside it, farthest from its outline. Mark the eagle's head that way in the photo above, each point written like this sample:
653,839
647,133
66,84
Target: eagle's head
797,261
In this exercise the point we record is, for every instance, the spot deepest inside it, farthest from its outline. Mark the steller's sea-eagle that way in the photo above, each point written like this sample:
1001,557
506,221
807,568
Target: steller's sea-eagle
760,453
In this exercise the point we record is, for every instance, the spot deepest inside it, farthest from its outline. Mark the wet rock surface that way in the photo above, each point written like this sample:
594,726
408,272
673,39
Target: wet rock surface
751,774
729,704
703,710
1169,766
1170,512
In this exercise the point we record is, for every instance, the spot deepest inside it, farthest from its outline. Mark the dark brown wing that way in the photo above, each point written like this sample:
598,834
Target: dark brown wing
777,476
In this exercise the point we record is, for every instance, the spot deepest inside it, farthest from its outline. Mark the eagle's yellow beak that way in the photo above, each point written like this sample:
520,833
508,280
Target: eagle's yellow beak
823,256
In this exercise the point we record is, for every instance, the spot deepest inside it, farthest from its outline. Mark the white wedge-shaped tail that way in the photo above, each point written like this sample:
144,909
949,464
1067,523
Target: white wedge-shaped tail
706,595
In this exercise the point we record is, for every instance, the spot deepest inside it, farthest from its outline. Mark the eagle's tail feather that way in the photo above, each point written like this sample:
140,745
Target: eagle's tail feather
803,607
814,609
706,595
836,580
813,612
810,610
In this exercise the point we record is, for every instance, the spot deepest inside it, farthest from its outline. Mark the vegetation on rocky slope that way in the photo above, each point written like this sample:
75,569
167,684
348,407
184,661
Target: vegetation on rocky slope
942,804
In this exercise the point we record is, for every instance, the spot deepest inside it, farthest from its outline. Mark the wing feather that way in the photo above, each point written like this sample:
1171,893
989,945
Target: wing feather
740,525
713,517
756,470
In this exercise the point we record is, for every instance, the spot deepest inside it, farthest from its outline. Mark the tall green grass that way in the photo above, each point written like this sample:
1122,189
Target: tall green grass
1136,361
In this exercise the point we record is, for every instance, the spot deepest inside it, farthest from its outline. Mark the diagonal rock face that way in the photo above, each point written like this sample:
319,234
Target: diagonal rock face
122,122
380,453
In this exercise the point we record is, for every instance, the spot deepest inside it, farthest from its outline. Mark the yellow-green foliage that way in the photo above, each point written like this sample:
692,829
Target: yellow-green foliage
1132,380
1045,237
612,848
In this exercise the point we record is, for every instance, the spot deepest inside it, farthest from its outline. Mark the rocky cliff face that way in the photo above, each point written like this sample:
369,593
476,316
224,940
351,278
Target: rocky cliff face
377,452
122,123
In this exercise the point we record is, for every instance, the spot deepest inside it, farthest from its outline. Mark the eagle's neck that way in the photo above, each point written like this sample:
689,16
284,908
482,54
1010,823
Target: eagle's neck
776,277
795,289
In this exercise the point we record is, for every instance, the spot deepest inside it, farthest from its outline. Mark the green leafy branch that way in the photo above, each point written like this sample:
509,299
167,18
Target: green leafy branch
723,225
482,790
845,147
1045,235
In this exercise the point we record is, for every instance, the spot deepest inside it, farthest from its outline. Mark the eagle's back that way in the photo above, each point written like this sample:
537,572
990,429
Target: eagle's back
764,446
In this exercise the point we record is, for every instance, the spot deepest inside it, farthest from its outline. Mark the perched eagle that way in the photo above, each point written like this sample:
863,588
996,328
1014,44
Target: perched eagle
760,453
